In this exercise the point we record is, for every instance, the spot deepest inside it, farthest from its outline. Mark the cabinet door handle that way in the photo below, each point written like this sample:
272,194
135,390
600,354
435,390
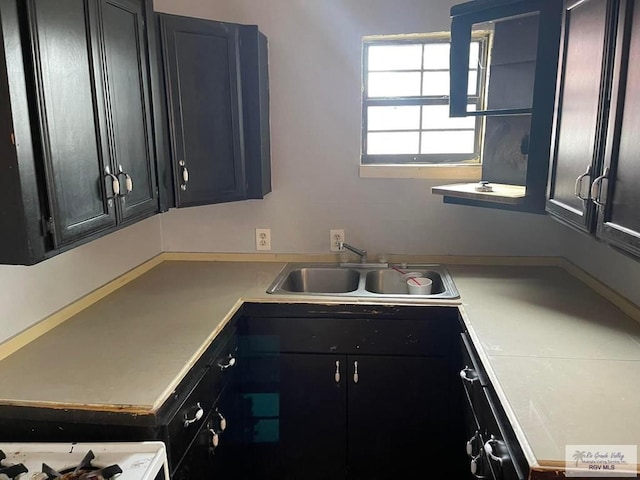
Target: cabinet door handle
215,438
115,183
185,175
223,421
578,186
128,183
198,415
596,188
230,363
355,372
468,374
336,376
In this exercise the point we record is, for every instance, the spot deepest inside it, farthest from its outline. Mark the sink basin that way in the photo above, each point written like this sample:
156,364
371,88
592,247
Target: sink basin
321,280
362,281
389,281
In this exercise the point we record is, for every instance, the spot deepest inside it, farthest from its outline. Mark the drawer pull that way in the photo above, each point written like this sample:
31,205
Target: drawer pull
489,448
475,467
223,421
215,438
184,174
468,374
336,376
198,416
356,377
230,363
473,441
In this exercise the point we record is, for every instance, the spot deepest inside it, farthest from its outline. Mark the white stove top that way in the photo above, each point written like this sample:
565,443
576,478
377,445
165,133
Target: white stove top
138,460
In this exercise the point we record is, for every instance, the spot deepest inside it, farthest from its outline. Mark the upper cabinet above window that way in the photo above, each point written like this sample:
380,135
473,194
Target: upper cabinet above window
516,108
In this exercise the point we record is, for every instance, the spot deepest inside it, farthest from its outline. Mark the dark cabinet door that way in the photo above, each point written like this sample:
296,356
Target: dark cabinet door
128,95
617,189
71,117
398,419
296,416
202,77
580,111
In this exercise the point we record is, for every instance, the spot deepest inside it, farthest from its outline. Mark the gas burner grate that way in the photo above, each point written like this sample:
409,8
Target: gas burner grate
84,471
11,471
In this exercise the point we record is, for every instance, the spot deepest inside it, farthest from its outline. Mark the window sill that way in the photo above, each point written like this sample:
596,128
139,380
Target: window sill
451,172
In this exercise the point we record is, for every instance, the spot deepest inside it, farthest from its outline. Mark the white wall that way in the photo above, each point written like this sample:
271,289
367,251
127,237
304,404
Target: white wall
314,53
29,294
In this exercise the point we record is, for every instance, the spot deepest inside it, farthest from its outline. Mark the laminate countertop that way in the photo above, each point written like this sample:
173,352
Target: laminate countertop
564,361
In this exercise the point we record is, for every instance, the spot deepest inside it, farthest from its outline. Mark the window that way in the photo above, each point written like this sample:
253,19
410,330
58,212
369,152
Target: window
406,103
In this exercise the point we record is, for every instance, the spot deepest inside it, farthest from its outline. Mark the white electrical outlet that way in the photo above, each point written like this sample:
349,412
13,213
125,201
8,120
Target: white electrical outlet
335,237
263,239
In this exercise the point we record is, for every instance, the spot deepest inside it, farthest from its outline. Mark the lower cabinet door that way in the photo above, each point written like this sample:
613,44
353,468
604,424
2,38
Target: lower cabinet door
295,416
398,418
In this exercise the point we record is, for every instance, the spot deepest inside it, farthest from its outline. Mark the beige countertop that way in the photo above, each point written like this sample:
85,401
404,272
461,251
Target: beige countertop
564,361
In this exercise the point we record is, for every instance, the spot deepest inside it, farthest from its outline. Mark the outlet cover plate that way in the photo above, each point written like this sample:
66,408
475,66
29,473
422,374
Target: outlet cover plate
263,239
335,237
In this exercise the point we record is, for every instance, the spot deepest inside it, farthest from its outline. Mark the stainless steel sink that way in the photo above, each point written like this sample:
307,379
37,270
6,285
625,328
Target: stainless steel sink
363,281
321,279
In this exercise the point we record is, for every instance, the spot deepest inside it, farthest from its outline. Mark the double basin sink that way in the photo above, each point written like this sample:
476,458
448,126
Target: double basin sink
359,281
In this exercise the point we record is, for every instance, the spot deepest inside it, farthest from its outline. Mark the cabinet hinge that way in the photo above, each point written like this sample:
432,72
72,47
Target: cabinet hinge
47,226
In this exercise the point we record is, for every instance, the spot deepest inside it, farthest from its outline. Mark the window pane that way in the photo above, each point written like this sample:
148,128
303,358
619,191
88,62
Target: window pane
435,83
474,55
472,89
393,118
392,143
436,56
448,142
437,117
395,57
394,84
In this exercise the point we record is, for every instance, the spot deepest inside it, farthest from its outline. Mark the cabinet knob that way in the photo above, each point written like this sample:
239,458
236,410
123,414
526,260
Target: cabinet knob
355,372
197,416
128,182
578,186
596,188
336,375
115,183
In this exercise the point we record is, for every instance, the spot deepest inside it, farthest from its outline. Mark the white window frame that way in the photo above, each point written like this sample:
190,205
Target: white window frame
437,166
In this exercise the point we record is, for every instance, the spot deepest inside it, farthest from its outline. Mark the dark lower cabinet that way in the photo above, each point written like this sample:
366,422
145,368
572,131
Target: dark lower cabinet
328,406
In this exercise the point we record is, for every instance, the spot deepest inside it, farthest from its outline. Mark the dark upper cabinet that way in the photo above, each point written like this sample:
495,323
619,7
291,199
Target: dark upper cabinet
581,110
521,41
127,73
594,169
76,123
216,83
615,191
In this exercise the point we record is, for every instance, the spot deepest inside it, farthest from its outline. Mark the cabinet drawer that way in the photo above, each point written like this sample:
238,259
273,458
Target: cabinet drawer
428,336
186,422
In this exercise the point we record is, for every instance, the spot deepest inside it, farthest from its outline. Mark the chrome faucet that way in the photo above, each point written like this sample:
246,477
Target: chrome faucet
357,251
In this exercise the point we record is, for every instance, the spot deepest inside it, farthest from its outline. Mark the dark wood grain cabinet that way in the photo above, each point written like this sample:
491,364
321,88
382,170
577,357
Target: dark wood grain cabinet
594,169
216,80
350,396
77,132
